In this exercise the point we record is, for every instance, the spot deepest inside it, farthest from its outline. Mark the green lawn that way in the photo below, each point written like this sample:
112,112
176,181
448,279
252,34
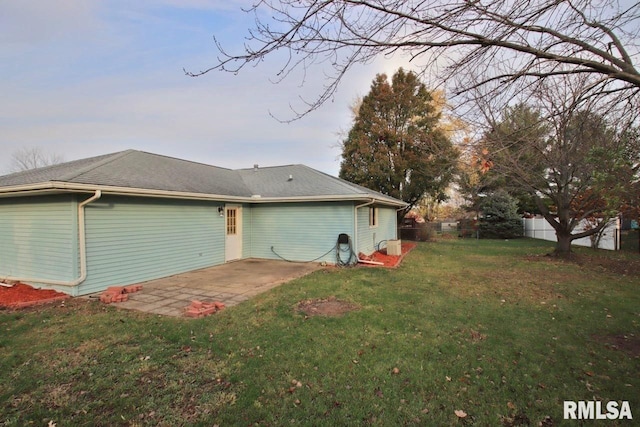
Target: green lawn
491,328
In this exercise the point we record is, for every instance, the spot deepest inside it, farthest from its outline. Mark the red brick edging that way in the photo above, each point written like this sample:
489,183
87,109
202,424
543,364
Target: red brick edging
201,309
118,293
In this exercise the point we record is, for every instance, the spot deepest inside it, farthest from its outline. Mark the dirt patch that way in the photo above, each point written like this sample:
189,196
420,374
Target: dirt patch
629,344
628,267
476,336
329,307
20,296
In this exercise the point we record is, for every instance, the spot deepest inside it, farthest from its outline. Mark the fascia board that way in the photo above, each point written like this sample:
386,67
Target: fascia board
338,198
55,187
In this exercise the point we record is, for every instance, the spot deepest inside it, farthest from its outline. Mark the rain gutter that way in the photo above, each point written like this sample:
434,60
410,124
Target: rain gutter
59,186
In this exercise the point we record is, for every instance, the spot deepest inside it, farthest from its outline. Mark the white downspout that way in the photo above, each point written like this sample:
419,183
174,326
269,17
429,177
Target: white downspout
355,232
82,248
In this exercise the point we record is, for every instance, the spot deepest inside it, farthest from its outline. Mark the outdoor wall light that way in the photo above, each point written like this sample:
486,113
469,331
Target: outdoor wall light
221,211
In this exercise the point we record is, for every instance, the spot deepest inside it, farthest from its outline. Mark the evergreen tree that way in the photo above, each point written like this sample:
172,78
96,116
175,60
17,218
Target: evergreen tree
499,217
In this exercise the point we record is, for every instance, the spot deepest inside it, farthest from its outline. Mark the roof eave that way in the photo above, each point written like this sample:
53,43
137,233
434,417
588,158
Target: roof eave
27,189
329,198
57,187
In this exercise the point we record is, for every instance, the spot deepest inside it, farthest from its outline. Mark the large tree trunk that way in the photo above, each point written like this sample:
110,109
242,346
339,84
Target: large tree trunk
565,235
563,246
562,225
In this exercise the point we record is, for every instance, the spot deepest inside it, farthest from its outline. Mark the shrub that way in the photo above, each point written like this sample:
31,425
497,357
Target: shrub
503,229
467,227
500,218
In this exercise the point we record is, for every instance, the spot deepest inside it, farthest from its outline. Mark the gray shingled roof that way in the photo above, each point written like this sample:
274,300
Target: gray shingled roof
140,170
300,181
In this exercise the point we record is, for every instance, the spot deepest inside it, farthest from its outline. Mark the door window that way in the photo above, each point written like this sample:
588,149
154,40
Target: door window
232,226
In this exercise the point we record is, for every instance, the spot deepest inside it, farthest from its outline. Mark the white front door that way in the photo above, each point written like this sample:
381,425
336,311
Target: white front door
233,230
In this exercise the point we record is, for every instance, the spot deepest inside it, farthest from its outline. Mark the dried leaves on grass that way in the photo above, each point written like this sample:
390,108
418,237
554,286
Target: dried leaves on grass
596,261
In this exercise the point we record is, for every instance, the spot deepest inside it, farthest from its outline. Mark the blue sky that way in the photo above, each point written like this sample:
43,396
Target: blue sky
86,77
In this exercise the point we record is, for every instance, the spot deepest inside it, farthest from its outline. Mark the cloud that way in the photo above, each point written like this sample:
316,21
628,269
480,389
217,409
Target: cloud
91,78
35,21
205,4
219,118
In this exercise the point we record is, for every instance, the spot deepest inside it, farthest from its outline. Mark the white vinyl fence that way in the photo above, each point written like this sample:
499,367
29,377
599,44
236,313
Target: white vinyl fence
539,228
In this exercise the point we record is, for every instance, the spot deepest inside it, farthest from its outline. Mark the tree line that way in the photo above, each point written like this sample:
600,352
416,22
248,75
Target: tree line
549,155
551,86
548,89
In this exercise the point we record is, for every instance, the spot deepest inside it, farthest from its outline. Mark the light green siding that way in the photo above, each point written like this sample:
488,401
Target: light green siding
370,237
246,231
38,238
299,231
130,240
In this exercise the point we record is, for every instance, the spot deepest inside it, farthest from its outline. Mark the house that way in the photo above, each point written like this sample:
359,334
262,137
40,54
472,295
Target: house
132,216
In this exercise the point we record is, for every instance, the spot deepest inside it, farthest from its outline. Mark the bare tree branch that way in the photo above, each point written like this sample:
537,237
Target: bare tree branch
509,41
32,158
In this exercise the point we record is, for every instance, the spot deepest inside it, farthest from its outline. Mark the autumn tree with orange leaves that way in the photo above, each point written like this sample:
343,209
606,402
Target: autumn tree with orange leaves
396,144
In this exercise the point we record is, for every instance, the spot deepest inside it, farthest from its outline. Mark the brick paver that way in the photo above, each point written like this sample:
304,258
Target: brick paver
229,284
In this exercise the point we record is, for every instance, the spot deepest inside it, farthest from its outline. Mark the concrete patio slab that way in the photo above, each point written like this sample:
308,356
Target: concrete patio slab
229,283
